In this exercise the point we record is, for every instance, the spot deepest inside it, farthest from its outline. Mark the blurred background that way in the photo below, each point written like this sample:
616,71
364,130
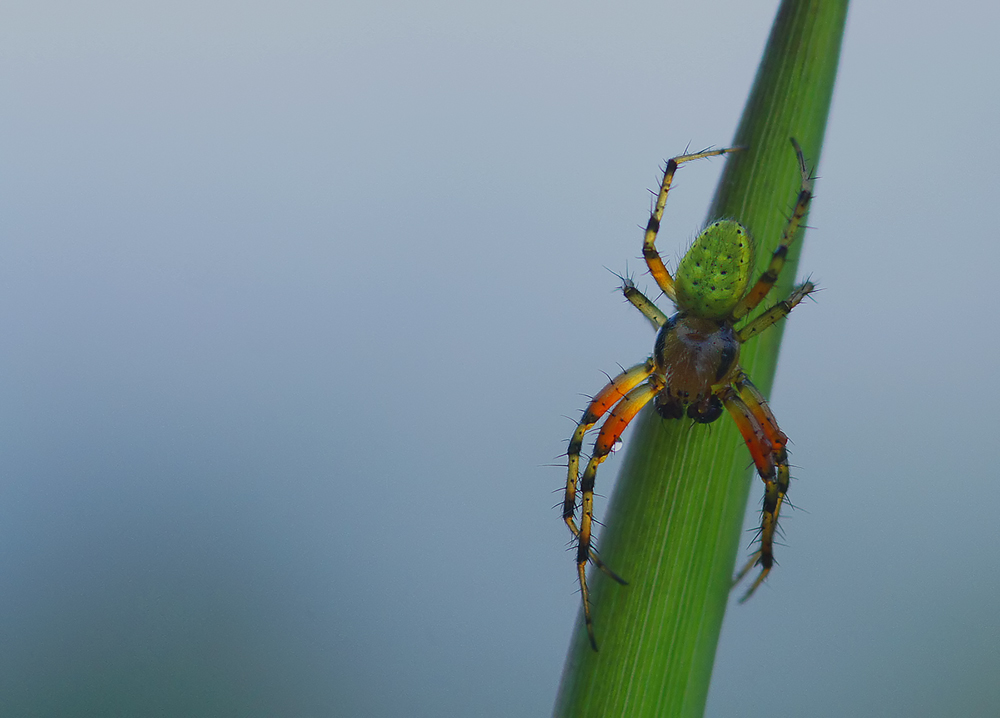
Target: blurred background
299,302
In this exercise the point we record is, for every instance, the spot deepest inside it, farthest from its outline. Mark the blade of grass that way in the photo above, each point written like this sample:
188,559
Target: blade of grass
674,523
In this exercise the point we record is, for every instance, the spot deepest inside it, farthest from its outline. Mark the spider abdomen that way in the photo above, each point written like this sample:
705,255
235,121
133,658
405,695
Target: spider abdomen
693,355
714,273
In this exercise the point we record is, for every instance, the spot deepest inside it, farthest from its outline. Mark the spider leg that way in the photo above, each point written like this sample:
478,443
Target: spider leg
649,253
766,443
752,298
607,397
757,404
611,431
643,303
776,313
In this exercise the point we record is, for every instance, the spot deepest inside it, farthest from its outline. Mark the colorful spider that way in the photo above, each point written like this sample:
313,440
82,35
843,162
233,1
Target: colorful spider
695,368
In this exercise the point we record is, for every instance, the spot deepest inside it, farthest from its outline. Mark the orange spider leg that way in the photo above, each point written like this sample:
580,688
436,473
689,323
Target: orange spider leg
611,431
753,433
649,253
766,443
607,397
757,404
769,277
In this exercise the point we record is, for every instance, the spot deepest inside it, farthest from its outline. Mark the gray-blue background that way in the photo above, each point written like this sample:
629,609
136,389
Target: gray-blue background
295,299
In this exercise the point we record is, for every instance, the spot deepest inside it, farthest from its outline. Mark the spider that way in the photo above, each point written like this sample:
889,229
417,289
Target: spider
695,369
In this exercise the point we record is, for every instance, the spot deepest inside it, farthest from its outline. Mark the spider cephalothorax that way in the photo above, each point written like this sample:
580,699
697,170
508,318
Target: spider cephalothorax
695,369
693,354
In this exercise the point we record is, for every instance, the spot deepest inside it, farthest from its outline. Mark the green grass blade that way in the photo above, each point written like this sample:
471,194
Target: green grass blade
674,524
